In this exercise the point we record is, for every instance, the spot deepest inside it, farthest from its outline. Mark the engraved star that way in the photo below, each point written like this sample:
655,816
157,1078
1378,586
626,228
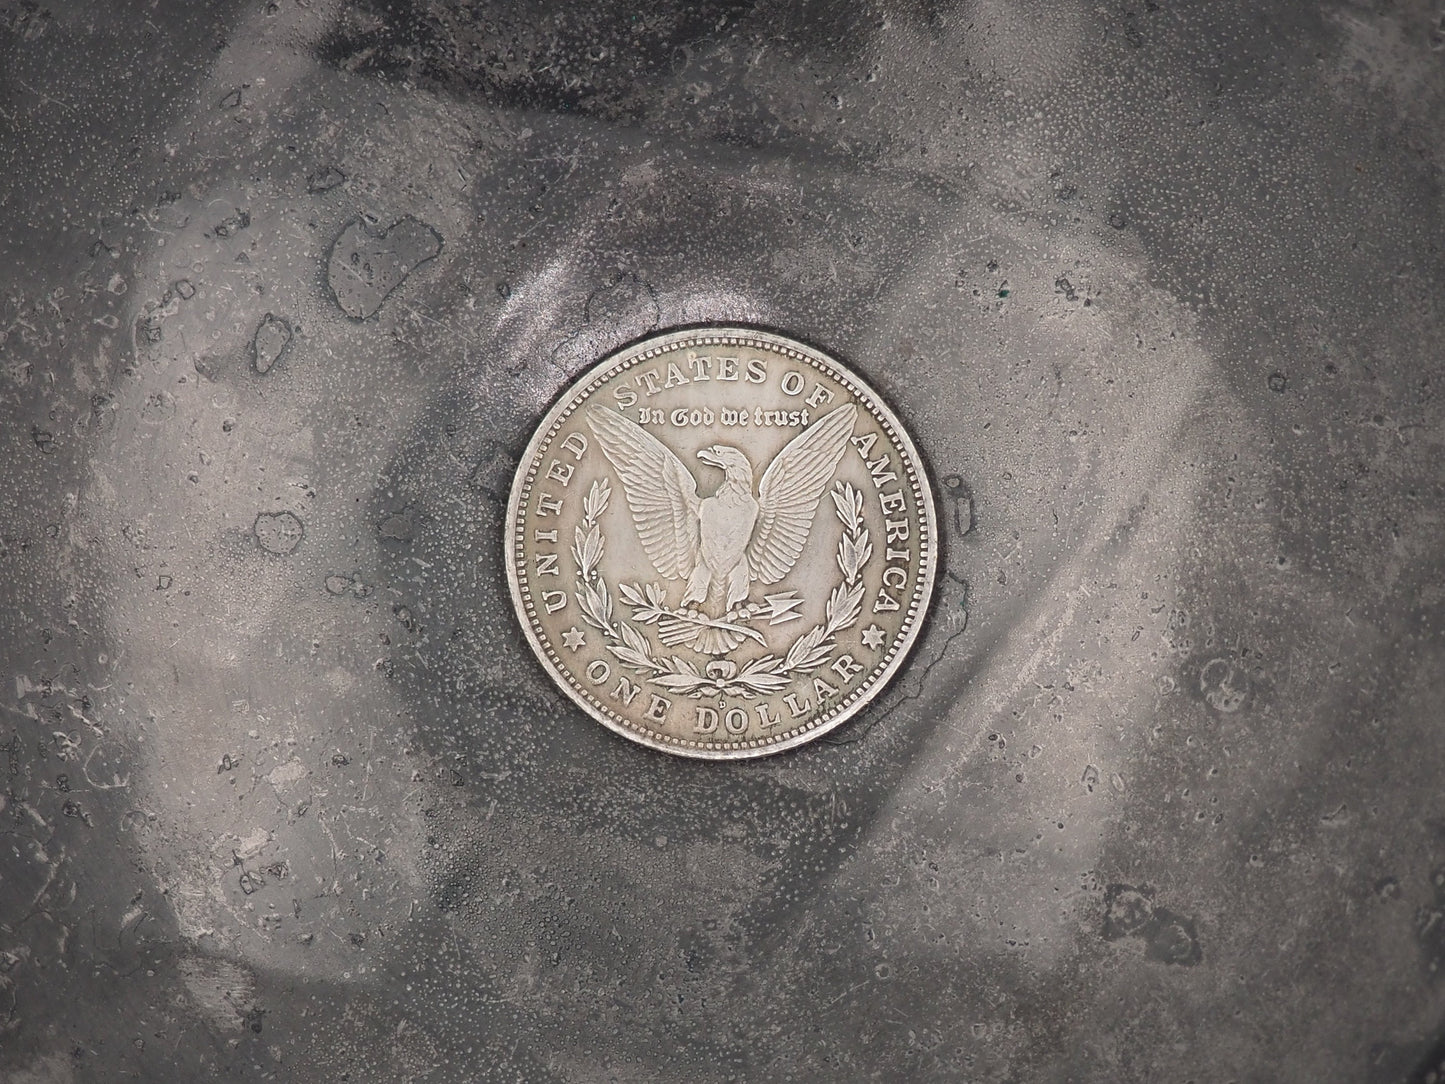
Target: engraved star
574,638
872,636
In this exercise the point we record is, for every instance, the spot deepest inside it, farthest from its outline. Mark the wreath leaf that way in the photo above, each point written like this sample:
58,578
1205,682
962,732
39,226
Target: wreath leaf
633,639
639,659
679,682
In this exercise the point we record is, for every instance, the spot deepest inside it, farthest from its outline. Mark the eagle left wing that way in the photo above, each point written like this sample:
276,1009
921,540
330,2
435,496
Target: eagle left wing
660,491
791,488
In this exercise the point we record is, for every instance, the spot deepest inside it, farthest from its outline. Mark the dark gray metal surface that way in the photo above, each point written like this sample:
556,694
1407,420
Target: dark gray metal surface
1156,288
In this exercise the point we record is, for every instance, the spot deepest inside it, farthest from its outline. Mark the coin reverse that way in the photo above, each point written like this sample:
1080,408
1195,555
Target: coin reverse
721,543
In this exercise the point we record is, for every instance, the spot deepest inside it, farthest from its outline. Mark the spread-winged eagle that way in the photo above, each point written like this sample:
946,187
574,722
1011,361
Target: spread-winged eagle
720,543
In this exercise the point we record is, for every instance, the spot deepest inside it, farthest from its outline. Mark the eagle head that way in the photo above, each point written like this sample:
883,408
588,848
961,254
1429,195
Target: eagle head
731,461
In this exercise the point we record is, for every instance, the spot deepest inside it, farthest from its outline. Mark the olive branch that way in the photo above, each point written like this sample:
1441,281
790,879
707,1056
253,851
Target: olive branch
762,676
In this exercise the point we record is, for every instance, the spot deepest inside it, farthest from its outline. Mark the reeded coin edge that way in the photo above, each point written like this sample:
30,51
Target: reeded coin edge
578,393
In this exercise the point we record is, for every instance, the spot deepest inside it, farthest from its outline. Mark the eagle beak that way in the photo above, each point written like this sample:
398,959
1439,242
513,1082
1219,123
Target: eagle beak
710,456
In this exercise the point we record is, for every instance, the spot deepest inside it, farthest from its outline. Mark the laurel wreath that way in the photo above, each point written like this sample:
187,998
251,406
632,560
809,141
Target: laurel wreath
760,677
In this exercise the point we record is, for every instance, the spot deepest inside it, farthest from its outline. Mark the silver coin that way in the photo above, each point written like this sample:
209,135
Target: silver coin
721,543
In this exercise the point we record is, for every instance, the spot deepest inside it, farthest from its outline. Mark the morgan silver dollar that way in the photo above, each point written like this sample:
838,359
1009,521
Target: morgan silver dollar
721,543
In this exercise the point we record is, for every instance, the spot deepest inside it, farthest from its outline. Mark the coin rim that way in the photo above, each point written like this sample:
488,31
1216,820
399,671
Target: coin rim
708,335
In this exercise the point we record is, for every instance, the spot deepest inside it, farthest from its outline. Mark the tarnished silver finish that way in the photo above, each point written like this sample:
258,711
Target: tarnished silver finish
721,543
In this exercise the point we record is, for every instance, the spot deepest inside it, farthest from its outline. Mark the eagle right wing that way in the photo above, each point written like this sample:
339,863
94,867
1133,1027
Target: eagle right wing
661,492
791,488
